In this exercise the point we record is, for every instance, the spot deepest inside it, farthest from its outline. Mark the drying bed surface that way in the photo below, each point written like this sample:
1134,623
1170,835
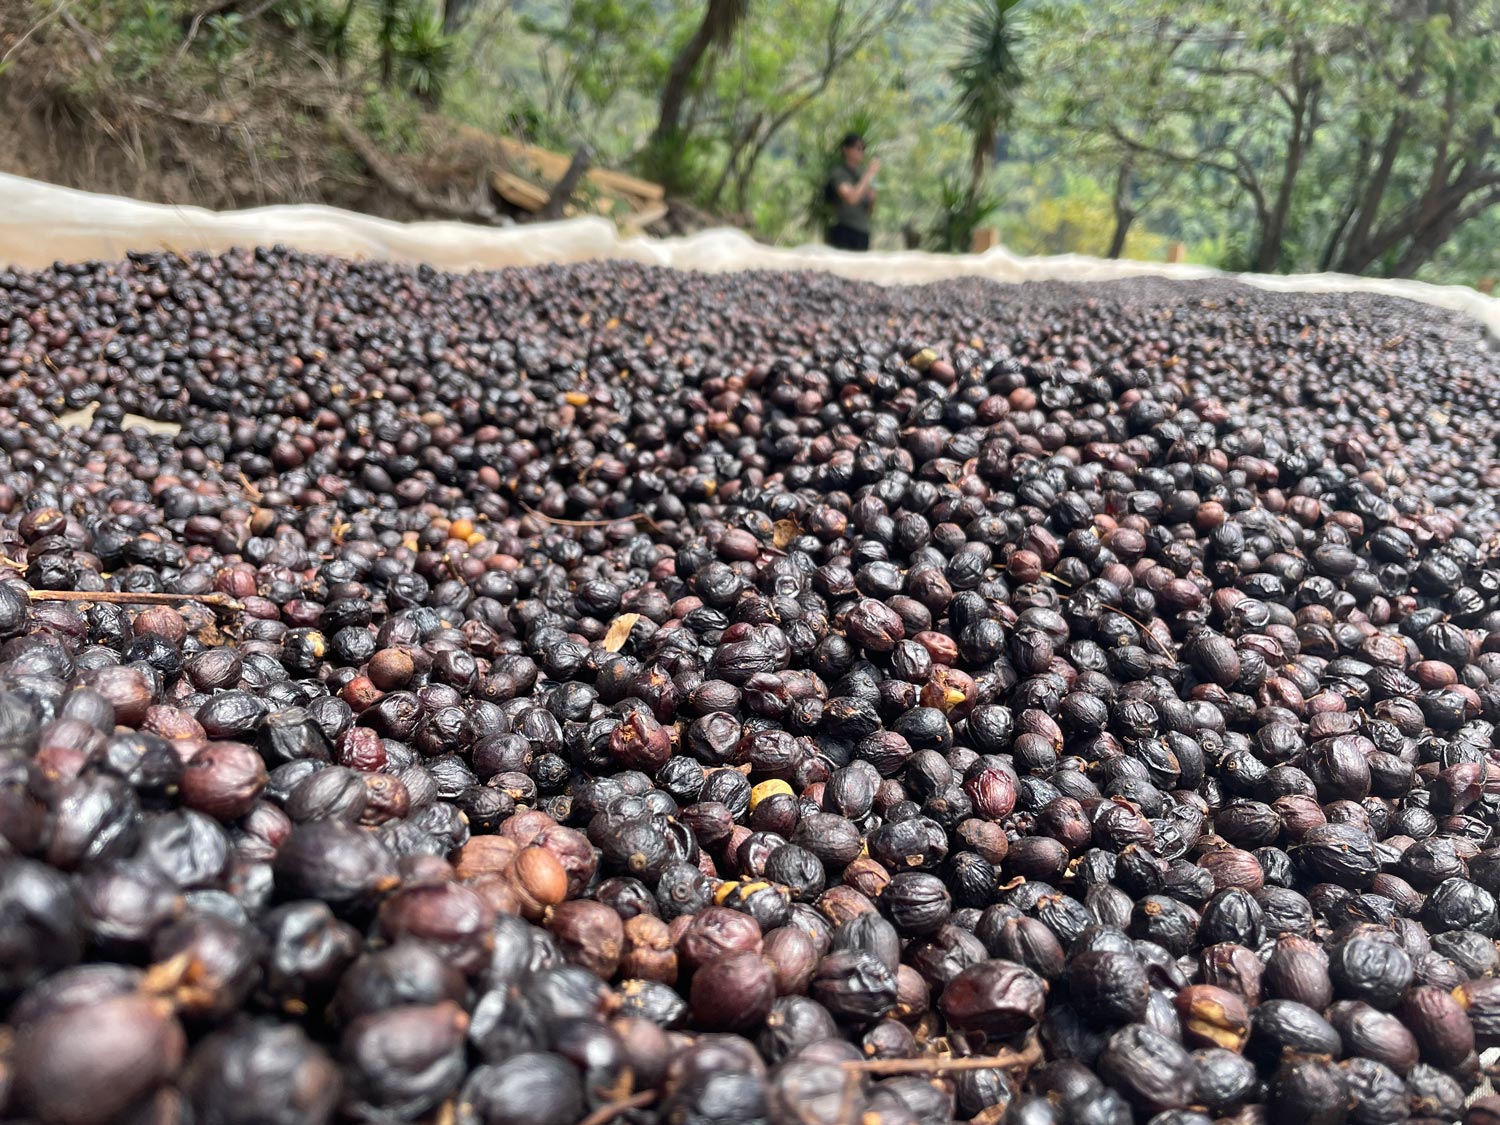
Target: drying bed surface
608,693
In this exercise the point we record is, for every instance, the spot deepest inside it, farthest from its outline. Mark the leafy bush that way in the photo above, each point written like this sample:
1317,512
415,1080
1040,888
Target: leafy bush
960,214
423,54
323,24
144,39
684,165
224,36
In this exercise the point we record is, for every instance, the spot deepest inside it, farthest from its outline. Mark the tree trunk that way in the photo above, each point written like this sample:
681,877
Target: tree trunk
455,14
1124,213
1123,222
1430,239
1370,201
979,162
1424,245
1325,262
387,41
1304,124
341,51
737,146
680,76
1421,216
562,191
1374,193
747,169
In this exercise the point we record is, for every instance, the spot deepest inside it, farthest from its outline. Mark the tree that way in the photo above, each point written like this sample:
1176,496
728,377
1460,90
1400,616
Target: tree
414,49
1234,92
795,58
986,76
588,57
721,18
385,38
1352,134
456,13
1429,157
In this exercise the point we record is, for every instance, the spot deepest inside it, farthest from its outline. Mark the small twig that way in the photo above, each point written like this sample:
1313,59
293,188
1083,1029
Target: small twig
562,191
935,1064
847,1095
192,32
928,1065
560,522
1137,622
90,44
179,115
33,29
125,597
1145,629
214,10
607,1113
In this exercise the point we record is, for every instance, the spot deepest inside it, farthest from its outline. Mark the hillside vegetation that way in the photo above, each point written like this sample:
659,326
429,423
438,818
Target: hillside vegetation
1274,135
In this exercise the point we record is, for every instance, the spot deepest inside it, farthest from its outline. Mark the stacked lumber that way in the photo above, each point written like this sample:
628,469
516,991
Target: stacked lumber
524,175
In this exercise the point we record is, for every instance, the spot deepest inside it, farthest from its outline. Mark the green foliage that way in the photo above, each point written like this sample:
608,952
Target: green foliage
961,212
1357,135
392,120
1307,134
415,53
681,162
1070,212
224,36
593,51
423,54
986,75
324,24
145,38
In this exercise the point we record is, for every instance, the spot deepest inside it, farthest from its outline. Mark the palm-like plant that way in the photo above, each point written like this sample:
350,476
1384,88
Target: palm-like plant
414,49
961,212
424,55
986,76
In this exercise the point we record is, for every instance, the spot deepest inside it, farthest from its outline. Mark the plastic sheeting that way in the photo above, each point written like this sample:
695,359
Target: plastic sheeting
41,223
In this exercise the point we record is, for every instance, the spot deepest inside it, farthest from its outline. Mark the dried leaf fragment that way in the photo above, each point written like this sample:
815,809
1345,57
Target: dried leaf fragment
619,631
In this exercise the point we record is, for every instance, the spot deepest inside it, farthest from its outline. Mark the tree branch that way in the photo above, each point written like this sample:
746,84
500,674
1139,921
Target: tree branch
1420,215
1241,72
47,18
1374,194
562,191
90,44
478,210
764,128
1186,159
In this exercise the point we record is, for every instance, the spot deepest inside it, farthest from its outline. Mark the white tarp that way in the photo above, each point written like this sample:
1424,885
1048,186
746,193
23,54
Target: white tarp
42,223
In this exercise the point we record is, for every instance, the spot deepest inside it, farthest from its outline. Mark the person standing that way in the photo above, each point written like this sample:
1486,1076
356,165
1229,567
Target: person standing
851,192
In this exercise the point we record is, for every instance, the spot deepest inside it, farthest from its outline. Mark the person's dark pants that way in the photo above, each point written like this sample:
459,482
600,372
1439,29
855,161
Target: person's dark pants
847,238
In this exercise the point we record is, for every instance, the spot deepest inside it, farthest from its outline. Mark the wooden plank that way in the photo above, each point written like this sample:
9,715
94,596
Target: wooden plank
640,220
522,193
1177,252
628,185
985,238
552,165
